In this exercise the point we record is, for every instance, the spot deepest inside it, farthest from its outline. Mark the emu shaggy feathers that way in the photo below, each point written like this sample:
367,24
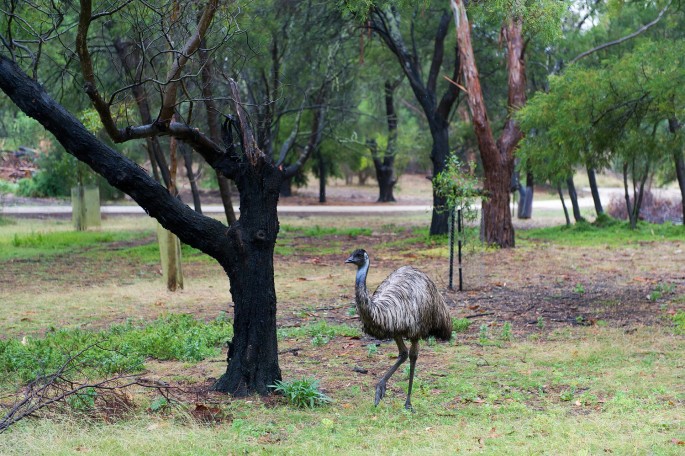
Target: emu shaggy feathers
407,304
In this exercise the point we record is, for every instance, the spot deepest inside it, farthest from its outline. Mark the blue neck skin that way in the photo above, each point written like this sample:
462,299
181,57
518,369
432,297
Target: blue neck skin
361,274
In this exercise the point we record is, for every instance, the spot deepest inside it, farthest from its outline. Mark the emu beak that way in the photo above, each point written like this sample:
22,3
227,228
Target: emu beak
349,260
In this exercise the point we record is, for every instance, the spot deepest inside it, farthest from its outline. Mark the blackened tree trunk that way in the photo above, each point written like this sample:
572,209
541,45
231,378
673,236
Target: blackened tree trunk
253,352
385,165
322,176
592,178
245,250
385,21
573,195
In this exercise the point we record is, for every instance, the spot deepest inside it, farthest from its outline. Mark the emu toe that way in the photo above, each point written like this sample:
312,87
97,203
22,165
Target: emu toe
380,392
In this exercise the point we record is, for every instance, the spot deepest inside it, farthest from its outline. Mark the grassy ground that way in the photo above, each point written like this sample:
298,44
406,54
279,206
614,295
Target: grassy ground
571,347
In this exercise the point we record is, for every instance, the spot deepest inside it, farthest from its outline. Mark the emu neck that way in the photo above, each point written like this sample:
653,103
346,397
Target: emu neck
361,292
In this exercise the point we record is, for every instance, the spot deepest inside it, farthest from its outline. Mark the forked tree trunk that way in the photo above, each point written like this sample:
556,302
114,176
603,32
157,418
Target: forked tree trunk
573,196
385,21
497,157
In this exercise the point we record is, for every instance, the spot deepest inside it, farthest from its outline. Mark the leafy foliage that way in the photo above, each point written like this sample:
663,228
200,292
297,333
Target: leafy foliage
302,393
459,187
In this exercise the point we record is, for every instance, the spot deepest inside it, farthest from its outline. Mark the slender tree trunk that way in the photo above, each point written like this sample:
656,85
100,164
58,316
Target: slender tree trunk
674,125
188,161
563,204
226,195
214,129
128,60
680,173
525,209
573,195
595,191
287,188
322,177
385,166
629,206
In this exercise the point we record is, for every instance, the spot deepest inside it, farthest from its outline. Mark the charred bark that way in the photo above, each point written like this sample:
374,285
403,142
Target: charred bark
253,351
245,250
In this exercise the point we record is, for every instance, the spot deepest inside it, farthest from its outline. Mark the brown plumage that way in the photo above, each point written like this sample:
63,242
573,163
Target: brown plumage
406,305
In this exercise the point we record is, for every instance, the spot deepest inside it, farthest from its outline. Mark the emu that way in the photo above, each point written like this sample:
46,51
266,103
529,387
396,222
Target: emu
407,304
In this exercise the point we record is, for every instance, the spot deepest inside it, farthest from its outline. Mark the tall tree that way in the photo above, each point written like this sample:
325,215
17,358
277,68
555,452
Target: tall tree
385,21
497,156
245,249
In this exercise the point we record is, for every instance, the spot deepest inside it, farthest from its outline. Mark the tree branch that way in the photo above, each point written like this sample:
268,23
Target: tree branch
201,232
192,45
639,31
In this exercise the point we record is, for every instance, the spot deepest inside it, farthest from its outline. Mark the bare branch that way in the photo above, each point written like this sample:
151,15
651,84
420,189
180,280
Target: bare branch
191,46
637,32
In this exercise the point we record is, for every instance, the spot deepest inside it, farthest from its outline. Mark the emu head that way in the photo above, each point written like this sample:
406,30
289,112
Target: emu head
358,257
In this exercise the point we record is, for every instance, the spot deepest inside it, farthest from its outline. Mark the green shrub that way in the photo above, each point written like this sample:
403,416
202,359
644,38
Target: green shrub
302,393
57,173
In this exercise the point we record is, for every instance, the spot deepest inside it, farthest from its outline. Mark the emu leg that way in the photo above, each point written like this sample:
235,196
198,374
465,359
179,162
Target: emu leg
413,355
402,357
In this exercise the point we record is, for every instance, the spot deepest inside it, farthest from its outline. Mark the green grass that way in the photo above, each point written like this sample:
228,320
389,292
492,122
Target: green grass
317,231
48,243
121,348
588,392
612,233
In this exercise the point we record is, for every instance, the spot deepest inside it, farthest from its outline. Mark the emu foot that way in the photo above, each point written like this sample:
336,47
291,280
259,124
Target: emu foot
380,392
408,407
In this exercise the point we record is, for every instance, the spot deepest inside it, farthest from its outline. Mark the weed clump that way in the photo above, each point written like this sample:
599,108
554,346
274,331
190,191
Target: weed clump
302,393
